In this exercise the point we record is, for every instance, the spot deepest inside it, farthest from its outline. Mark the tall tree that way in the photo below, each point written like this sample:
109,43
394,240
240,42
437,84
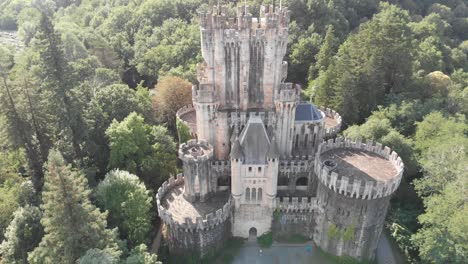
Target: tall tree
171,94
148,151
57,83
370,64
327,50
22,235
129,205
113,102
19,128
72,224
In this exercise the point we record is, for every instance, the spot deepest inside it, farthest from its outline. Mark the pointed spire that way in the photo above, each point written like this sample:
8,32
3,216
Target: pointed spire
236,151
273,152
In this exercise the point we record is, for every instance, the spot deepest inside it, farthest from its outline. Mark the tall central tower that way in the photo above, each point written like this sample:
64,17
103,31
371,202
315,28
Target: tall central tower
243,70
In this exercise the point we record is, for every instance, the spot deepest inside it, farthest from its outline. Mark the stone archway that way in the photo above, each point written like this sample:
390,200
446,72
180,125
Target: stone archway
252,234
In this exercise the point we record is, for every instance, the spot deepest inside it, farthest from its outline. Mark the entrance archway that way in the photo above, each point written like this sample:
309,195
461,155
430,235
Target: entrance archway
252,233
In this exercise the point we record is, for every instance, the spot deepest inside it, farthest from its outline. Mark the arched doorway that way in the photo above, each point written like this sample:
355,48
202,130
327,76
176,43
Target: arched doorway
252,233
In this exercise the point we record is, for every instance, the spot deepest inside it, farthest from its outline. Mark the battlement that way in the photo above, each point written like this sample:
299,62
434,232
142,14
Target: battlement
203,93
288,92
365,188
296,165
333,122
206,222
297,204
221,166
195,151
270,17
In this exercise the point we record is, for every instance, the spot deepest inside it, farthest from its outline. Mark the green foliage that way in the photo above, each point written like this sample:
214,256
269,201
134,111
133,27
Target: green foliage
442,238
128,203
71,223
22,235
10,186
97,256
145,150
379,129
341,259
332,231
183,131
265,240
370,64
114,102
349,232
139,255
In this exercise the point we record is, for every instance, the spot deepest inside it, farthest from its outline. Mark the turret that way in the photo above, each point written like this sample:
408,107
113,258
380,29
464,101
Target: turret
237,157
196,157
272,171
285,103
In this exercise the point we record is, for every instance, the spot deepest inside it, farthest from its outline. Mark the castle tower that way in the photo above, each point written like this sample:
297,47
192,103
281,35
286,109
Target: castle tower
286,102
244,55
272,172
356,181
196,157
237,158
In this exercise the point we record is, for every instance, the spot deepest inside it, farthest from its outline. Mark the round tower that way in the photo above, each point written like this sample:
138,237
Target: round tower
285,103
237,157
272,172
356,181
196,157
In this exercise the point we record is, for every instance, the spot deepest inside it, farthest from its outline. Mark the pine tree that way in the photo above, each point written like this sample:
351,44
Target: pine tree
58,83
325,55
71,223
22,235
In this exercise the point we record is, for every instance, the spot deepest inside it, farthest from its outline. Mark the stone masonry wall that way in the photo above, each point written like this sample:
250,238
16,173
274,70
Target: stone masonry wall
200,236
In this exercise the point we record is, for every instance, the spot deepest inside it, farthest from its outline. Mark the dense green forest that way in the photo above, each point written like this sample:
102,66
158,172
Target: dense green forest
88,99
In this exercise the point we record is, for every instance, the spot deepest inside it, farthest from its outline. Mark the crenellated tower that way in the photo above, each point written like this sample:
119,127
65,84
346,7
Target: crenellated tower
196,157
244,55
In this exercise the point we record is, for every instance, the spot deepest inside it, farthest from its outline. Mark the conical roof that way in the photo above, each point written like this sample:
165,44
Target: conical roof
236,150
273,151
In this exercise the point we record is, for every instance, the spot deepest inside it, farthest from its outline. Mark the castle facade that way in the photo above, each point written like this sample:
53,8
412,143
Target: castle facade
263,160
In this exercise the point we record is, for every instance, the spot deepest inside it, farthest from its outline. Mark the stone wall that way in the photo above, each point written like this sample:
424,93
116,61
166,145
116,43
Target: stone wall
332,131
353,213
200,236
183,111
295,216
349,226
362,189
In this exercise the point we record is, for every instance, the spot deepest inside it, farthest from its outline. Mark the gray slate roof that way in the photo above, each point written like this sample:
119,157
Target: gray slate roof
307,112
254,141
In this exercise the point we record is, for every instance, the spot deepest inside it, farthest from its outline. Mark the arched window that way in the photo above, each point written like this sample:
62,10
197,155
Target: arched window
305,140
301,181
297,141
247,194
254,194
259,195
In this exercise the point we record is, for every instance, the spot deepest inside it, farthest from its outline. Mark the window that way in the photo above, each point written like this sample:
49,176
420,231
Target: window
247,194
259,195
259,169
254,194
305,140
301,181
250,169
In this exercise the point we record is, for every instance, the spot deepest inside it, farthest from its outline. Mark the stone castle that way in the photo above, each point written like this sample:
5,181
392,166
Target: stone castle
265,161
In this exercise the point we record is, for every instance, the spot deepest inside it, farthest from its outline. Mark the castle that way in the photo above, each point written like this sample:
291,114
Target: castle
265,161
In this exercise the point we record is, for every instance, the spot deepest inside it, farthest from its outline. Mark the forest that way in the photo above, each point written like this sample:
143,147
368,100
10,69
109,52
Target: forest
90,88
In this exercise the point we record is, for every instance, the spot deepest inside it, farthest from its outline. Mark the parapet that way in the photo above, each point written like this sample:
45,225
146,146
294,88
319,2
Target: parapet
359,188
188,116
297,204
217,18
203,93
288,92
333,122
195,151
205,222
296,165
